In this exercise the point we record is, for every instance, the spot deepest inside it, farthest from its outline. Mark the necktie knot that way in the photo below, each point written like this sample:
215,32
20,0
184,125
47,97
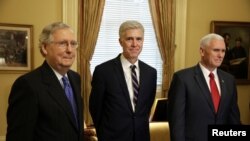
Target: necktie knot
65,81
133,67
211,75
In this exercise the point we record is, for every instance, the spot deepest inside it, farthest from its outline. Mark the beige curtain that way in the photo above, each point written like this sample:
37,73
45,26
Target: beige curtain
163,17
90,12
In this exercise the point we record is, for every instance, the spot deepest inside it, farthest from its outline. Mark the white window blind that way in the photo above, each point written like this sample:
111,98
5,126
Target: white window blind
108,47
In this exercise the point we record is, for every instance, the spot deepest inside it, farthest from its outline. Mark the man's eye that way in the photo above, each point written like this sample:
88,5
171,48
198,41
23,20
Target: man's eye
138,39
128,39
73,43
63,43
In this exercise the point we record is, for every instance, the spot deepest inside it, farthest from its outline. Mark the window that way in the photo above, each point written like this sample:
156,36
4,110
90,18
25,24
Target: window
108,47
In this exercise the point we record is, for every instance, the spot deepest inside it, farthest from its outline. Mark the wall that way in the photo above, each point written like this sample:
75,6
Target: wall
198,15
36,13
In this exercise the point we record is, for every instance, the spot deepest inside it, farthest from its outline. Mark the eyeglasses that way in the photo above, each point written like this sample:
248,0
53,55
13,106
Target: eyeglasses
64,44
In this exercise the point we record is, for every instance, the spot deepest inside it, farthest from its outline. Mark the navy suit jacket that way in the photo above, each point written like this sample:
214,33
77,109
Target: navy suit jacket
110,105
39,110
191,107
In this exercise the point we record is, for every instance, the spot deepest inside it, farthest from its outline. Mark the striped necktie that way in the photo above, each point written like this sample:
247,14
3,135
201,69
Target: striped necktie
135,84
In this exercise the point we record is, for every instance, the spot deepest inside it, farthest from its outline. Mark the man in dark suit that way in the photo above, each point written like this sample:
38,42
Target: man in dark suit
119,109
191,106
39,109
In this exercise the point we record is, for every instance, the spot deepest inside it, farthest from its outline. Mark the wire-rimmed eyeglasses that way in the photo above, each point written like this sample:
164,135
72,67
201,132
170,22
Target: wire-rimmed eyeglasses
64,44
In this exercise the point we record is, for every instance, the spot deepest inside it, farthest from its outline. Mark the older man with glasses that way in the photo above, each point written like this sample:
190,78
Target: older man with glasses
46,104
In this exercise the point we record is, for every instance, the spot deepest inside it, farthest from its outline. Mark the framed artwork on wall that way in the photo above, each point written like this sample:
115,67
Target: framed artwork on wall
237,40
16,41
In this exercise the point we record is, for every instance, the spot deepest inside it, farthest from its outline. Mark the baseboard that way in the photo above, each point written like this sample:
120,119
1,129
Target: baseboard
2,138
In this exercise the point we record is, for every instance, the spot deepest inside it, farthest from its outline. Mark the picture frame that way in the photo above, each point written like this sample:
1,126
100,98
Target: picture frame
237,39
16,43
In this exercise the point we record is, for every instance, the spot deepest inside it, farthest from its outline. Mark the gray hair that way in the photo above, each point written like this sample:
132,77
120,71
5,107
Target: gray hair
47,32
205,41
130,24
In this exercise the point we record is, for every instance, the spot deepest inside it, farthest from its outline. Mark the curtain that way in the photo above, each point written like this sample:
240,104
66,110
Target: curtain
90,12
163,17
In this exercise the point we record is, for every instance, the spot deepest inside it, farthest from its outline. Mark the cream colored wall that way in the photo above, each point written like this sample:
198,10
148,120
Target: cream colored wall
199,14
36,13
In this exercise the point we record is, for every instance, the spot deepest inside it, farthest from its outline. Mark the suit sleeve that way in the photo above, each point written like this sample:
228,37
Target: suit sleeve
22,112
177,104
97,96
234,117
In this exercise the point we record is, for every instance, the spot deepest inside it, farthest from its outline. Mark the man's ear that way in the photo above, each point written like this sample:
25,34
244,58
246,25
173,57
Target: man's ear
201,51
120,41
43,49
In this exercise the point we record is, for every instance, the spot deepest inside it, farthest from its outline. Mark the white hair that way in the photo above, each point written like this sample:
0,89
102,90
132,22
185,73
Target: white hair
208,38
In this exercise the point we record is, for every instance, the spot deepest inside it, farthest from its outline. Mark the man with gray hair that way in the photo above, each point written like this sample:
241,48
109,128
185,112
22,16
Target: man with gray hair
202,95
46,104
123,90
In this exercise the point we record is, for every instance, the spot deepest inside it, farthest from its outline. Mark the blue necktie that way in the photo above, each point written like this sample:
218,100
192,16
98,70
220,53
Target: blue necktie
135,84
69,93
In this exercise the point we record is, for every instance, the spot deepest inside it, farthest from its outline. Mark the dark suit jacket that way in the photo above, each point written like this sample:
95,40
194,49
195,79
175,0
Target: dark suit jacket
110,105
39,110
191,107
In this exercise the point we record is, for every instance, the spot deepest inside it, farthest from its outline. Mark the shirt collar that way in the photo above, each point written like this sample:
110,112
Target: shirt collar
206,72
126,63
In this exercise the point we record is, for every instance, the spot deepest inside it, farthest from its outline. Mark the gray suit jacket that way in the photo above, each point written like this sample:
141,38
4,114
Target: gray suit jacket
191,107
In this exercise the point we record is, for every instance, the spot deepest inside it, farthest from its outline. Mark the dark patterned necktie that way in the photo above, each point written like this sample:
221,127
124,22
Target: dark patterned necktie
70,95
214,92
135,84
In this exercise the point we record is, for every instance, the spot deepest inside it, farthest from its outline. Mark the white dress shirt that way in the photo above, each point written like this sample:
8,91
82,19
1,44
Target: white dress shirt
127,73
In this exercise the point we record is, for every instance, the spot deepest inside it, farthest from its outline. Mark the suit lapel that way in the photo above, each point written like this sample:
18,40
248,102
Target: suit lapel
56,91
201,82
223,89
77,94
120,75
143,79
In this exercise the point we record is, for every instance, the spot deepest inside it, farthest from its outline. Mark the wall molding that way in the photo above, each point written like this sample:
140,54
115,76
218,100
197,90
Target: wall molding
70,13
180,35
70,17
2,138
